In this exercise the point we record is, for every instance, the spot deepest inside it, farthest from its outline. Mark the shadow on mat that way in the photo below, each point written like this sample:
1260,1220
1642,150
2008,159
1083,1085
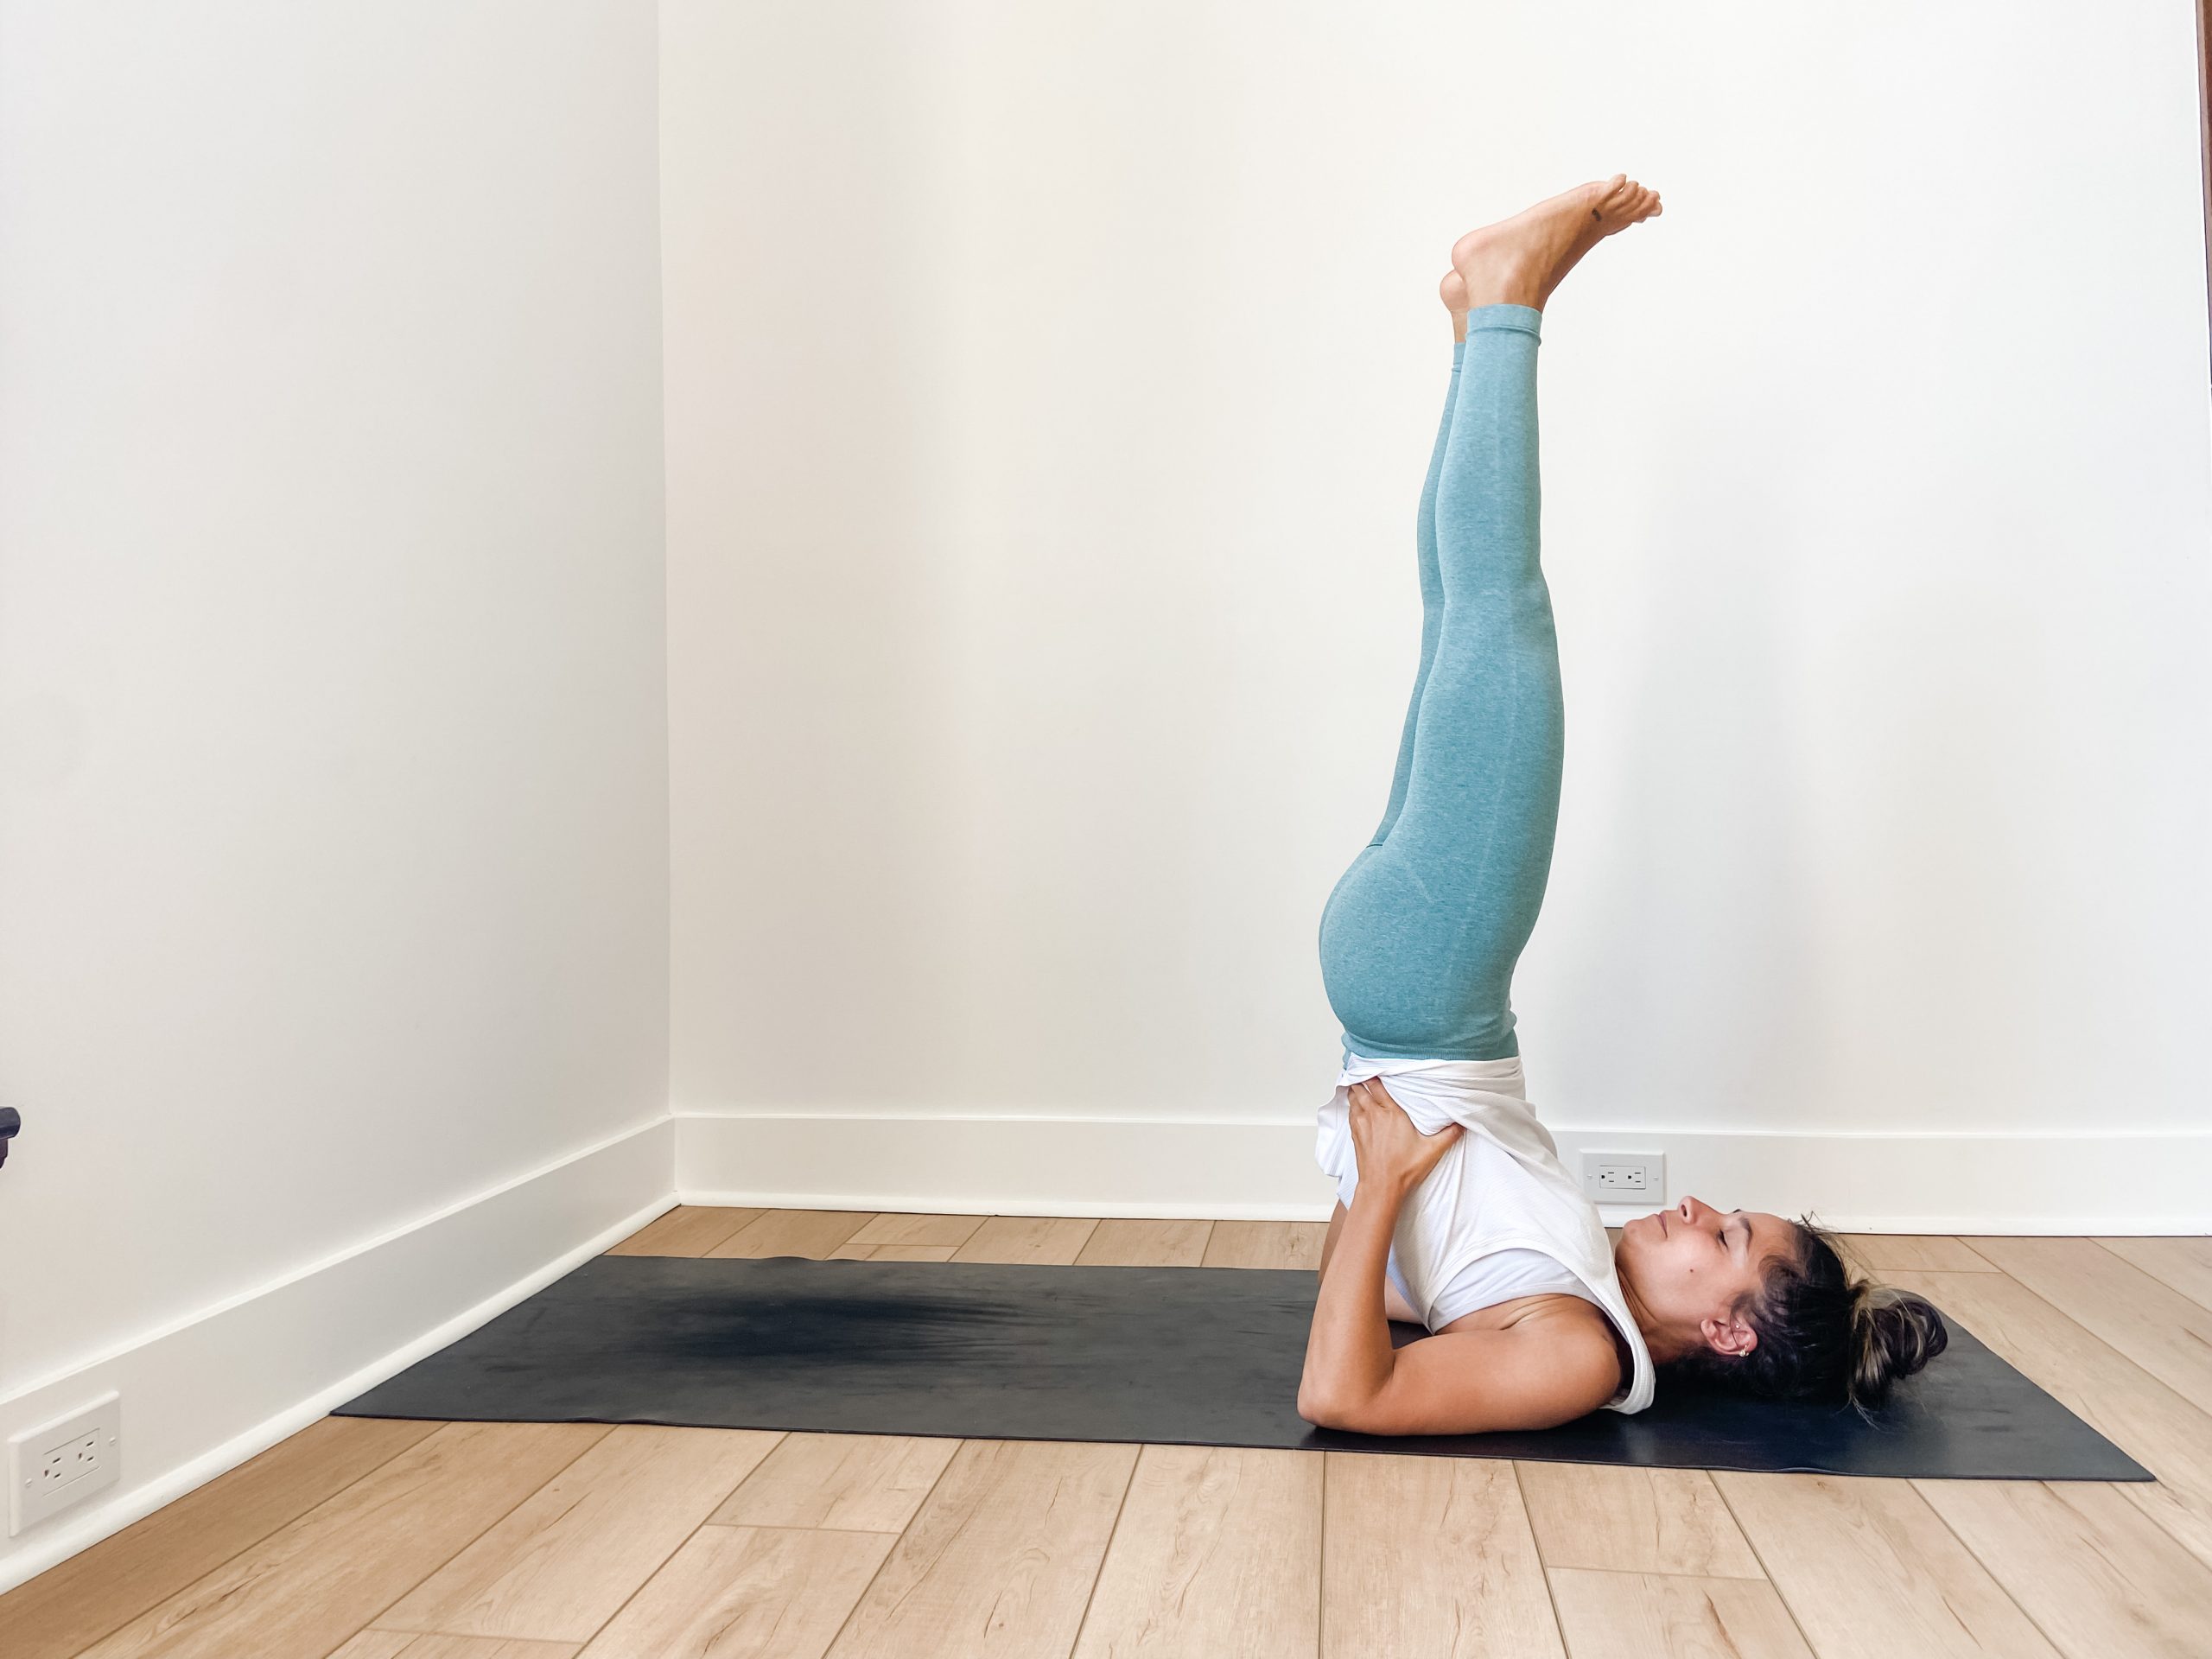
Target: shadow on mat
883,1331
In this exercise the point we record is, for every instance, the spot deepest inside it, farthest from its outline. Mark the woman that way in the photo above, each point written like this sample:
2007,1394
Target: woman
1454,1210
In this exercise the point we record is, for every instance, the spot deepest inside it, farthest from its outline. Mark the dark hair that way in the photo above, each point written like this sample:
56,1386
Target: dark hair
1823,1334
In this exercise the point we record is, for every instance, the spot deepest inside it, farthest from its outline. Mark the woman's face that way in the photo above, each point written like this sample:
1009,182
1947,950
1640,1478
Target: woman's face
1684,1269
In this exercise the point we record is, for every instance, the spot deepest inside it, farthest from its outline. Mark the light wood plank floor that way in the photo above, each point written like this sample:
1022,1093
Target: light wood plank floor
360,1539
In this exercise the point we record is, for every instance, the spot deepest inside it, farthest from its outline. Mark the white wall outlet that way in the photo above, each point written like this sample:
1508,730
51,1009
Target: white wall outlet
61,1463
1631,1178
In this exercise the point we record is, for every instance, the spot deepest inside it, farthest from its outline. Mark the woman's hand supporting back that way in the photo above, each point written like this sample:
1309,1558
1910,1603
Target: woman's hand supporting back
1536,1372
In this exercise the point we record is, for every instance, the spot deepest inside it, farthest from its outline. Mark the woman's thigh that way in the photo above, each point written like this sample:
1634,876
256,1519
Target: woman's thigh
1421,936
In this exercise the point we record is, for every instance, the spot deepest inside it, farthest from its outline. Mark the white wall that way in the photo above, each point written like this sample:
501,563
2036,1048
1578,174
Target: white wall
332,792
1046,393
1048,390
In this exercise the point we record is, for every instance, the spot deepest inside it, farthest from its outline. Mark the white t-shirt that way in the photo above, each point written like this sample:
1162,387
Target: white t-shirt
1499,1217
1496,1276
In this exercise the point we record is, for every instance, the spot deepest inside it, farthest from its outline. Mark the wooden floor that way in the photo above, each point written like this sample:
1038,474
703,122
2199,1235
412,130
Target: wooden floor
378,1540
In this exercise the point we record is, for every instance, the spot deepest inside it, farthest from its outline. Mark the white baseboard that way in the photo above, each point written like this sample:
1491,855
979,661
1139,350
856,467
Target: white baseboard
203,1394
1903,1182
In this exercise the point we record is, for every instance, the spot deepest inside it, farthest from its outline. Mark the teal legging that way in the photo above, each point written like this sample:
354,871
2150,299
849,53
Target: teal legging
1421,935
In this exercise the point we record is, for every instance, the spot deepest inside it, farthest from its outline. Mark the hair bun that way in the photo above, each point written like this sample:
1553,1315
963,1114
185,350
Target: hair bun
1897,1333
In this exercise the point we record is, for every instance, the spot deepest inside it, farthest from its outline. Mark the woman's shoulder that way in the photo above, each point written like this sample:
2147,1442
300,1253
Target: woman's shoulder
1551,1317
1587,1342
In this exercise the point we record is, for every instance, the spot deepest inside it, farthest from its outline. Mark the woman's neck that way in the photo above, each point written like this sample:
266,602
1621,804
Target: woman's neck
1659,1341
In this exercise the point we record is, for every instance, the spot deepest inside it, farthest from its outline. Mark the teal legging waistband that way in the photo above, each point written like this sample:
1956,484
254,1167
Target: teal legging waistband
1420,938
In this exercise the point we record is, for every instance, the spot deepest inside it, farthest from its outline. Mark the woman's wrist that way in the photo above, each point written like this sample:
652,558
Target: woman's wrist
1387,1189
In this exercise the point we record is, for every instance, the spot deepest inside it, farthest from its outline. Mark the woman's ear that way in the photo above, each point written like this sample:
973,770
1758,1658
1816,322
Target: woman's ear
1730,1336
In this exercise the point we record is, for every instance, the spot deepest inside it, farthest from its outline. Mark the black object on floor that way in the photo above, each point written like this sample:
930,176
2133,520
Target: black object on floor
1174,1356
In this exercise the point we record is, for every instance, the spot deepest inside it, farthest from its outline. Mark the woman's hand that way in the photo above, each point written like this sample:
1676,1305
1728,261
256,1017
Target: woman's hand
1391,1150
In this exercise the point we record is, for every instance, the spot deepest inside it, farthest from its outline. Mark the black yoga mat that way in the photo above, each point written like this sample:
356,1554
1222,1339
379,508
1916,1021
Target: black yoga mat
1174,1356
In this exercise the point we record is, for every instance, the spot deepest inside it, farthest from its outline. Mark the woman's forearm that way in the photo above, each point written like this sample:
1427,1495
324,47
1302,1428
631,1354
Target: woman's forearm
1348,1353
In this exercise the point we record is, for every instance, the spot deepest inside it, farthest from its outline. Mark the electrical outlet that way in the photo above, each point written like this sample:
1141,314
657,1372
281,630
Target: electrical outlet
61,1463
1629,1177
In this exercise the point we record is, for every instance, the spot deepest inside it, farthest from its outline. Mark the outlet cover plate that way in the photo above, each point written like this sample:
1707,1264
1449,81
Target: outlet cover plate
1638,1179
58,1464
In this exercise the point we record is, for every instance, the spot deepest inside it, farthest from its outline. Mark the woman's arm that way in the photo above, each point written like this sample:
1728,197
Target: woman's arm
1541,1371
1546,1368
1395,1307
1348,1354
1348,1345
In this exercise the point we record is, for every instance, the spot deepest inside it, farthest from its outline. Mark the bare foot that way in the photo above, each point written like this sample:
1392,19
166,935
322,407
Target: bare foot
1453,291
1519,261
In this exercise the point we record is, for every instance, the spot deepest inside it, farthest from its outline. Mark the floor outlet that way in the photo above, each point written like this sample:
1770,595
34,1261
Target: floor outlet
64,1462
1629,1177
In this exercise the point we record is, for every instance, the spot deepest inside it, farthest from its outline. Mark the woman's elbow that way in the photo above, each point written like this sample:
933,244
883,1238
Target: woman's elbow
1326,1408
